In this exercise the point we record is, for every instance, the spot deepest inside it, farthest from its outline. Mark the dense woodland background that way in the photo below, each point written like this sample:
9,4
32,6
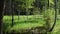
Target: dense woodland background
22,16
30,7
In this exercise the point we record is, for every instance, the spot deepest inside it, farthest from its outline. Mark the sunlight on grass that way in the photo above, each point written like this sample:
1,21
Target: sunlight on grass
24,23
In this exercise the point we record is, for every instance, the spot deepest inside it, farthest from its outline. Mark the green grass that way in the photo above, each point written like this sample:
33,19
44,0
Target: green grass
24,23
57,28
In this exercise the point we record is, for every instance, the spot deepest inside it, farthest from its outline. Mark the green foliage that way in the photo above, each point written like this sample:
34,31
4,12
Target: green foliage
23,22
25,3
24,6
18,25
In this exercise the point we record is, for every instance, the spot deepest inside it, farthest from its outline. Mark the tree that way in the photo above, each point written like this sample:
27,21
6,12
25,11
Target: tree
55,15
1,14
48,16
22,5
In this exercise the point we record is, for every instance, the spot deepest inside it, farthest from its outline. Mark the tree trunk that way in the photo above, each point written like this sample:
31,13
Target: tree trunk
1,14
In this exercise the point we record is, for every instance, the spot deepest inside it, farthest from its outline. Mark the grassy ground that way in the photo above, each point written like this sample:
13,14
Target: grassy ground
57,28
24,22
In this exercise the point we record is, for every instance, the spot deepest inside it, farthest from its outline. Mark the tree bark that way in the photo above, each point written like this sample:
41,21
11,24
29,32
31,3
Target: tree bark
56,13
1,15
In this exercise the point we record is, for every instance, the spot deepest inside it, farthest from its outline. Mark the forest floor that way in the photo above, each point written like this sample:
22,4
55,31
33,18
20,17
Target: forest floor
26,22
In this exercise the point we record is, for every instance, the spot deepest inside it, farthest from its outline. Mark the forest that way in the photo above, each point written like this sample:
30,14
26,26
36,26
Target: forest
30,7
31,17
